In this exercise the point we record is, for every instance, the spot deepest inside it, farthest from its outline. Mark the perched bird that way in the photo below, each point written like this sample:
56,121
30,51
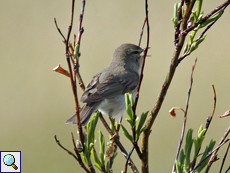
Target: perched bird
106,90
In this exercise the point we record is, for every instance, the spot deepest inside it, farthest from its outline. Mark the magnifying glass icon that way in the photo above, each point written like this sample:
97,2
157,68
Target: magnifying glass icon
9,160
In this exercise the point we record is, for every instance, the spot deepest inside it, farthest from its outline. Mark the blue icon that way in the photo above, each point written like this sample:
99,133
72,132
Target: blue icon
9,160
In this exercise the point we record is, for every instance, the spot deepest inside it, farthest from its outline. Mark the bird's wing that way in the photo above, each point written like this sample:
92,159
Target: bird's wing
112,86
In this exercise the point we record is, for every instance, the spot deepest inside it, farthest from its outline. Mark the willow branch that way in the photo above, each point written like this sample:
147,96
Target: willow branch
224,158
209,154
209,119
224,5
164,89
118,143
77,53
185,117
212,158
126,163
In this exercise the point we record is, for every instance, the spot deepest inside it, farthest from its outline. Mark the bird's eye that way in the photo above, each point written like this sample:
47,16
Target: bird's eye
136,52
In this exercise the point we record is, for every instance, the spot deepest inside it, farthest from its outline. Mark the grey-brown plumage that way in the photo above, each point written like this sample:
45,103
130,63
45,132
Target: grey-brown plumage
106,90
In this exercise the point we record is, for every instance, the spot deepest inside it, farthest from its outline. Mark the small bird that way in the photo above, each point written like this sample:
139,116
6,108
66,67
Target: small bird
106,90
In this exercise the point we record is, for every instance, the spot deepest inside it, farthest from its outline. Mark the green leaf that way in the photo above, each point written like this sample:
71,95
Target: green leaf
195,44
142,121
91,128
207,150
211,19
127,102
188,147
200,16
130,112
111,126
90,134
102,147
85,137
98,166
131,99
179,167
200,136
130,122
135,123
102,156
175,17
139,133
191,2
86,157
126,133
107,167
196,148
195,17
102,142
199,5
130,116
175,11
180,162
181,157
191,36
75,51
91,145
95,158
185,48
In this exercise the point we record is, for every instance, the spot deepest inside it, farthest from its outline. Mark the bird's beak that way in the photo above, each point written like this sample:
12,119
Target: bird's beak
142,53
145,48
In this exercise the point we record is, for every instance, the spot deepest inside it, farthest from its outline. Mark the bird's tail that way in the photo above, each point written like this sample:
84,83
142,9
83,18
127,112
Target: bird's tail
85,113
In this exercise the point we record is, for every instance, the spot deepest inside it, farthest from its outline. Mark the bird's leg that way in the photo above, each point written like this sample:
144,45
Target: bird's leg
116,133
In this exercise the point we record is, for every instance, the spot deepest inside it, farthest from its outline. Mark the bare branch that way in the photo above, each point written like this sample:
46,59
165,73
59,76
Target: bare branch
222,141
224,158
118,143
59,30
185,117
209,119
224,5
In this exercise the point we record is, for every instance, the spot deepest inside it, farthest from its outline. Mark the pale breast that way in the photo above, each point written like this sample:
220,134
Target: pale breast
114,106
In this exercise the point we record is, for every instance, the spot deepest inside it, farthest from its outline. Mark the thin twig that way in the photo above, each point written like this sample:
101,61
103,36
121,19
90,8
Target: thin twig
209,154
141,74
144,56
155,110
119,122
142,30
212,158
209,119
59,30
177,29
73,84
185,117
126,163
69,152
206,29
224,158
77,53
227,169
118,143
173,65
80,28
224,5
78,155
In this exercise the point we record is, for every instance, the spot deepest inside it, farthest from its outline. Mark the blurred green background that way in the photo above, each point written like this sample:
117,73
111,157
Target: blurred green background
35,101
